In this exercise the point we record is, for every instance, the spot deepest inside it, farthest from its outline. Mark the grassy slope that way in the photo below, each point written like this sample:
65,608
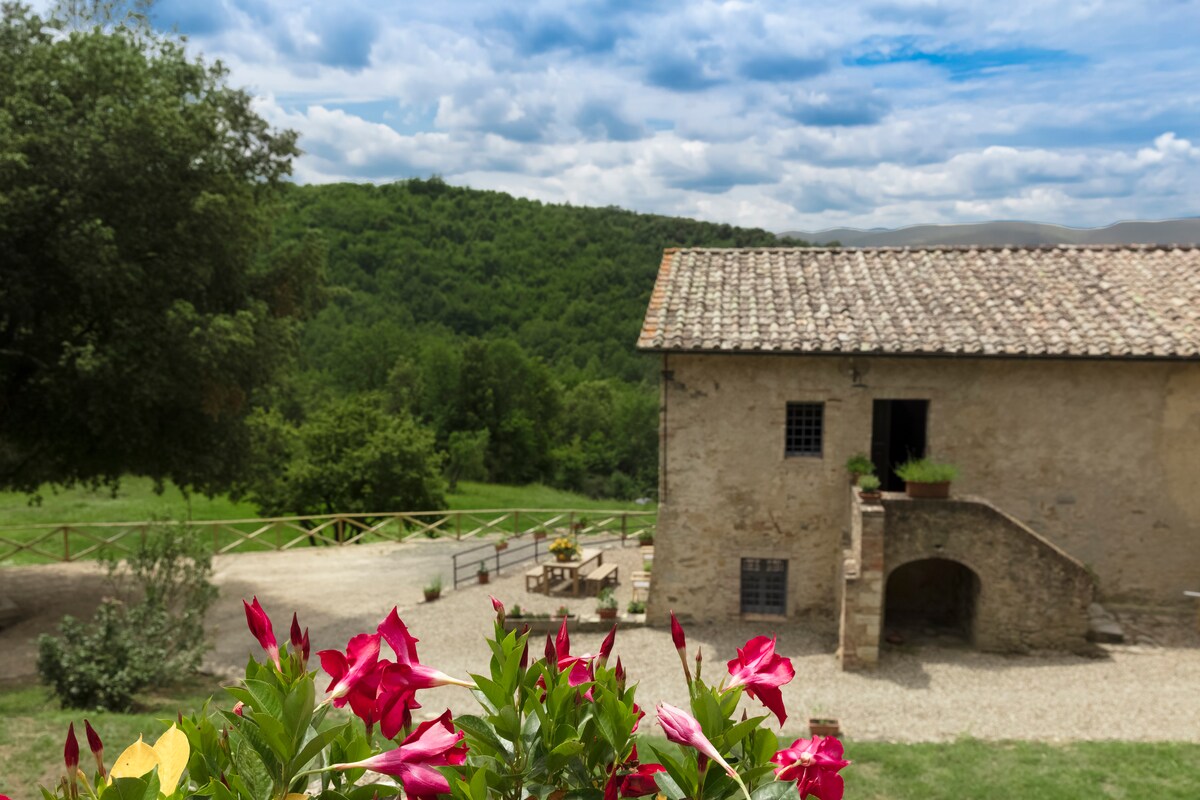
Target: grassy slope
32,730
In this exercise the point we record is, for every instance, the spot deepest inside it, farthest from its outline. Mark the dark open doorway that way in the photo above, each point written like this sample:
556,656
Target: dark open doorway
930,598
898,430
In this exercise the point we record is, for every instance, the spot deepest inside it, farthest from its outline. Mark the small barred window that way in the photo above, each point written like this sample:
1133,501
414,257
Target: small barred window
805,428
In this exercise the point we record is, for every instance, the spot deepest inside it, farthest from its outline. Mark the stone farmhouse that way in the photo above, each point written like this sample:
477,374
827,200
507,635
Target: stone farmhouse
1064,382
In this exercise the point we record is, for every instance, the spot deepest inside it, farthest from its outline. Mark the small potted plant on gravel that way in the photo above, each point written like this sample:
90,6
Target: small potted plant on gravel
539,533
606,604
926,478
482,572
859,465
868,489
502,544
646,538
822,725
433,589
636,607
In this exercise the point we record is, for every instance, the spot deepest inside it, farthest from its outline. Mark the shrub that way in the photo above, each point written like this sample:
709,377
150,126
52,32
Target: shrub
926,470
636,607
868,483
149,634
859,464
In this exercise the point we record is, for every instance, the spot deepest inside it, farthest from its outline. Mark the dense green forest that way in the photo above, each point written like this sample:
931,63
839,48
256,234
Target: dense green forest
504,327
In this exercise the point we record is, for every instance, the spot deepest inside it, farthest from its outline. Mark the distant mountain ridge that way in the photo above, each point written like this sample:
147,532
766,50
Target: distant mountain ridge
1018,234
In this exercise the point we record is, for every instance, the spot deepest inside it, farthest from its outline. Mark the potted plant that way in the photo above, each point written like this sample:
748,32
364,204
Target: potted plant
564,549
606,604
580,524
868,489
823,726
926,478
647,566
482,572
502,544
539,533
646,538
433,589
859,465
562,611
516,612
636,607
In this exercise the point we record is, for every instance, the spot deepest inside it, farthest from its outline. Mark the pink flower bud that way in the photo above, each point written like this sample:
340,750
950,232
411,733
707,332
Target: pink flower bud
96,746
607,645
677,634
238,708
260,625
71,752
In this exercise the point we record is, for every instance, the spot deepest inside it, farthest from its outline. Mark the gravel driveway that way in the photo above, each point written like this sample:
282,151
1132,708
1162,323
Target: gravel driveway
928,693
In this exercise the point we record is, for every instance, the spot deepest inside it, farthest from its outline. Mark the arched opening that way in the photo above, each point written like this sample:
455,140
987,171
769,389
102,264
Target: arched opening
930,599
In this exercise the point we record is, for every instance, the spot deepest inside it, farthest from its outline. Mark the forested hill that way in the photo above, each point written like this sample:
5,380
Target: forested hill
505,326
569,284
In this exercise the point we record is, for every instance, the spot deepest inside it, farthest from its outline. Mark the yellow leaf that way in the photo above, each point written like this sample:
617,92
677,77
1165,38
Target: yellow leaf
172,750
137,760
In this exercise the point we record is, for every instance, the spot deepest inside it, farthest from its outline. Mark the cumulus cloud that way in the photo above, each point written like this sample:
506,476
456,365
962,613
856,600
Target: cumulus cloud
880,112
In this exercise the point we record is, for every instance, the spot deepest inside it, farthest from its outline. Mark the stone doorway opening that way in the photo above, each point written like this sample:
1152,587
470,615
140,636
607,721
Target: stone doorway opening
932,599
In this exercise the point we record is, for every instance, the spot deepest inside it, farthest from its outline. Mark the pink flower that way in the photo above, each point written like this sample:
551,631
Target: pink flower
299,640
682,728
362,653
433,744
813,764
421,676
680,646
395,633
580,666
498,607
260,626
239,708
607,645
395,702
640,782
96,746
71,752
762,672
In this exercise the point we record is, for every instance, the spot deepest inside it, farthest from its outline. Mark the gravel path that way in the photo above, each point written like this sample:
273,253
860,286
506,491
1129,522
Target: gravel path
927,693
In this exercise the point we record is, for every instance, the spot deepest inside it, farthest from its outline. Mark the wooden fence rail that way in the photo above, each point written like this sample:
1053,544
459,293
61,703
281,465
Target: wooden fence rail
56,542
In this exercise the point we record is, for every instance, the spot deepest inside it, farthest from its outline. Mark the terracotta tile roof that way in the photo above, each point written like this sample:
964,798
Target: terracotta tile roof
1136,301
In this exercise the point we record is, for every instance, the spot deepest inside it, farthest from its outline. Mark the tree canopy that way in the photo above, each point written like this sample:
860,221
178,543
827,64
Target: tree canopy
144,304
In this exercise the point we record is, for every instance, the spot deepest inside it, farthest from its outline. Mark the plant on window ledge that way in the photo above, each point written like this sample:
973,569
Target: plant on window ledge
859,466
868,488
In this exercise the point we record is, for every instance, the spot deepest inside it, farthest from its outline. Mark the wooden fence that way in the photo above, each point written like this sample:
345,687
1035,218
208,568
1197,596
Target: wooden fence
34,544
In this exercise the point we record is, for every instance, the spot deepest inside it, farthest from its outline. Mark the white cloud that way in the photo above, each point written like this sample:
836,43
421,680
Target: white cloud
880,112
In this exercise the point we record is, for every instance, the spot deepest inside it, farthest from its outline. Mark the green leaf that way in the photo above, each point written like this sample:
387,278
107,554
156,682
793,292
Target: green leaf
266,698
479,732
128,789
314,746
775,790
298,709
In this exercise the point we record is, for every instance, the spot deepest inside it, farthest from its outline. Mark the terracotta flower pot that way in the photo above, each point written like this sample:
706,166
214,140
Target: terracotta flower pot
606,613
483,577
431,596
501,546
563,557
870,497
928,491
823,726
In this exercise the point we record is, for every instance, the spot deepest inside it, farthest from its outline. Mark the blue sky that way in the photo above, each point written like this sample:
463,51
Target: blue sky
781,115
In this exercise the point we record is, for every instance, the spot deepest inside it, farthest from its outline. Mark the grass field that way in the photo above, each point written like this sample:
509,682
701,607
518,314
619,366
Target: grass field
32,728
137,501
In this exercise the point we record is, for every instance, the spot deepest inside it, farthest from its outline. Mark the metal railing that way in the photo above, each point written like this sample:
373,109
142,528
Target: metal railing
74,541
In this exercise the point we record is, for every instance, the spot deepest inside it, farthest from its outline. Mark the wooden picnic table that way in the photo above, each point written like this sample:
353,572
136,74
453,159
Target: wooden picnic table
559,571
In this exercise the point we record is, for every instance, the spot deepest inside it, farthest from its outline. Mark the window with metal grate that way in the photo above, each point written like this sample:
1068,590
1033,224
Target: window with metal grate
764,585
805,429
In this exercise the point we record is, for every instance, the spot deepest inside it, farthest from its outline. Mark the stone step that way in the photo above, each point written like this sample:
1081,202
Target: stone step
1103,627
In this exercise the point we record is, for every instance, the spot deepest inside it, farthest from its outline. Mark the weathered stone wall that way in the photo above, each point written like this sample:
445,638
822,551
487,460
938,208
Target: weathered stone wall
1032,595
1100,457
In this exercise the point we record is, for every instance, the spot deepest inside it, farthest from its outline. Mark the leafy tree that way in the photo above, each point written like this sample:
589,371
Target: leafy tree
143,302
466,457
350,456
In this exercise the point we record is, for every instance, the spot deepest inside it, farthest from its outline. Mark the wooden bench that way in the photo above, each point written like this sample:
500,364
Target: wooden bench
601,576
534,577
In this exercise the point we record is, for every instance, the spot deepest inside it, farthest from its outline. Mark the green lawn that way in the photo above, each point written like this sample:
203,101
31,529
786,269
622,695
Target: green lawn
136,501
32,730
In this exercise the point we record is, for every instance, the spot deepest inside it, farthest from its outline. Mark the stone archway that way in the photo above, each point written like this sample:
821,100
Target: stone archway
931,597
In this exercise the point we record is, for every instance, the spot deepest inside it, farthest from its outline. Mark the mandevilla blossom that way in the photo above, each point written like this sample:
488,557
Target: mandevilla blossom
813,764
299,640
762,672
362,652
395,633
499,609
433,744
680,646
682,728
607,645
239,708
260,625
96,746
580,666
640,782
71,752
